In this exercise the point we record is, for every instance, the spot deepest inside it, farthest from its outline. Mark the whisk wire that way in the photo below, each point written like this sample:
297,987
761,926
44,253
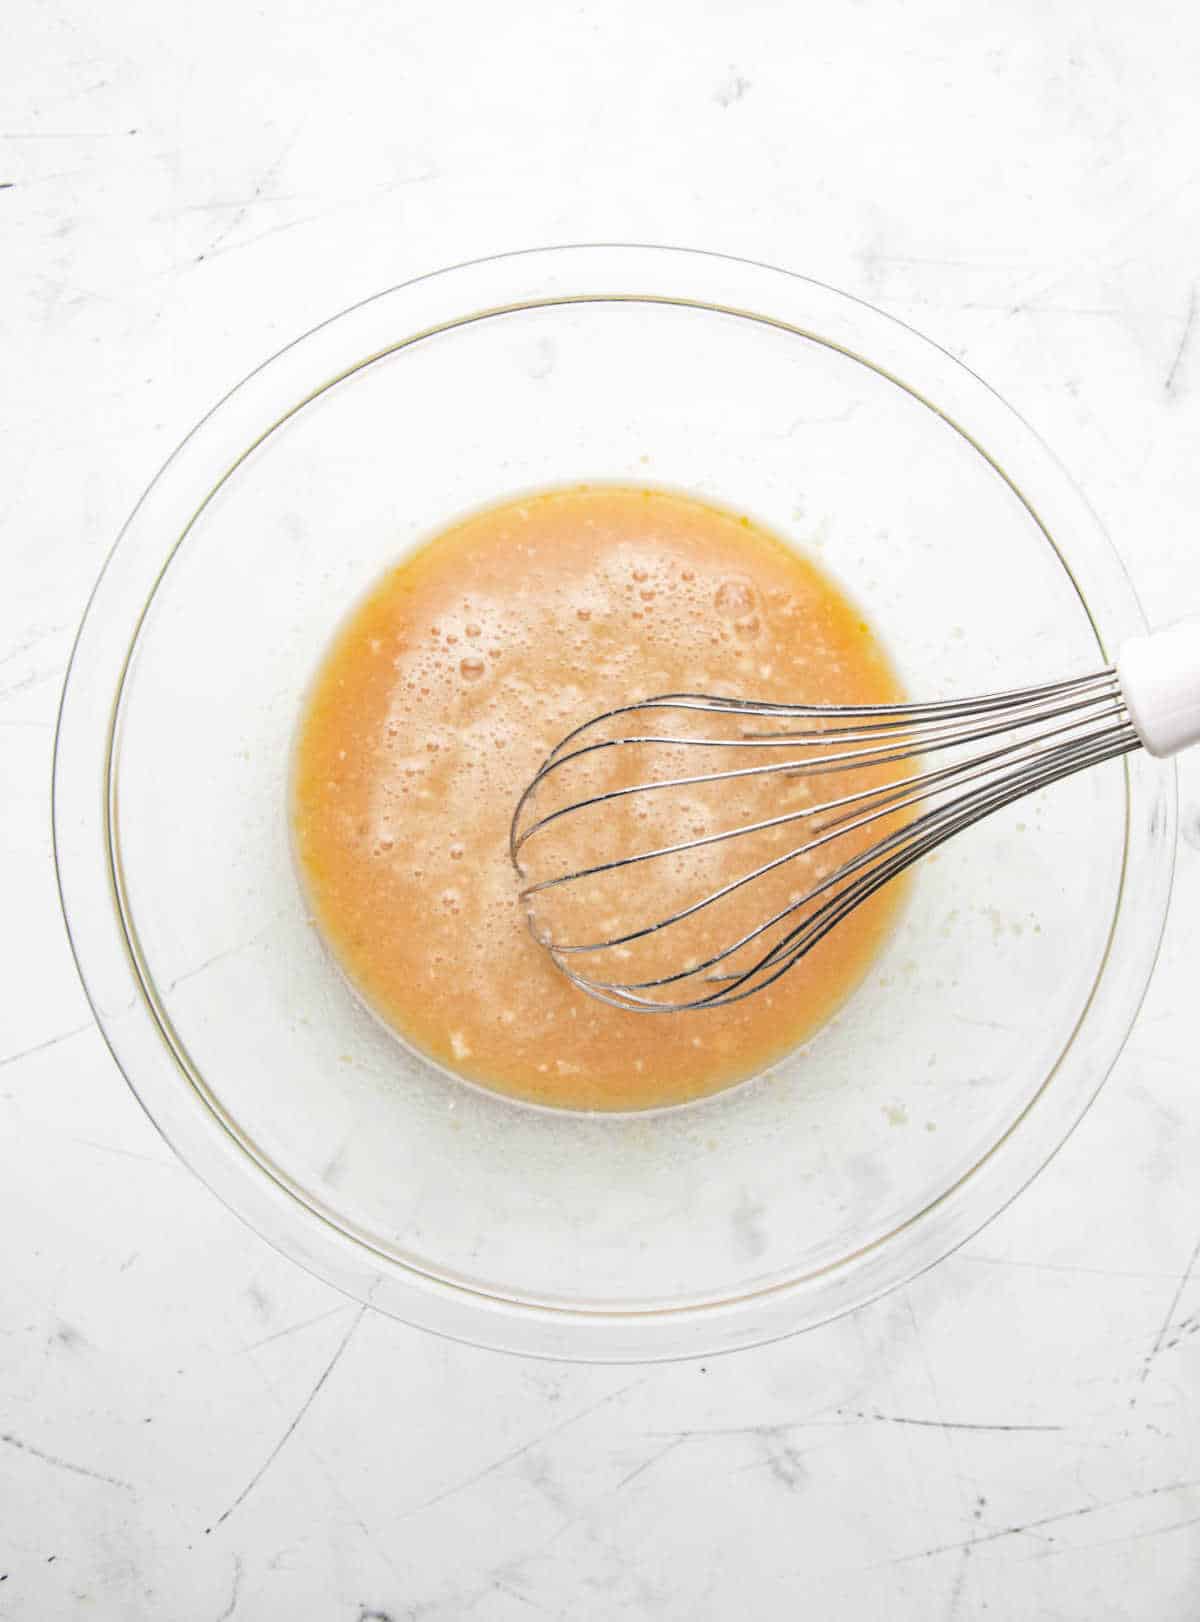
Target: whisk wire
937,826
889,800
921,742
1092,726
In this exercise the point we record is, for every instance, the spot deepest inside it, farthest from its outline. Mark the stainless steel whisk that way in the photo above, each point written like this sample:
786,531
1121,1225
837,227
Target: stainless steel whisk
967,757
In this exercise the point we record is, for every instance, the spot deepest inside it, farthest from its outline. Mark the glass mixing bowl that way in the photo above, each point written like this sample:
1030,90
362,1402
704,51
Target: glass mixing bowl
981,1034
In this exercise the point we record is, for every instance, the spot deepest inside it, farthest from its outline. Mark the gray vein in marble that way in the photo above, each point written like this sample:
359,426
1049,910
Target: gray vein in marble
785,1461
1067,1267
298,1416
953,1424
57,1463
294,1329
648,1464
166,1162
50,1042
1171,386
229,951
217,957
247,242
703,1433
539,1473
731,89
498,1585
259,1300
960,1582
1164,1328
781,1458
67,1337
1026,1527
37,635
65,135
956,1469
35,678
254,199
1126,1537
231,1607
526,1447
224,205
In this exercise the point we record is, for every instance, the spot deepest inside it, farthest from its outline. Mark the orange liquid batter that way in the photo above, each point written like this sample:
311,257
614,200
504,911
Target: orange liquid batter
439,699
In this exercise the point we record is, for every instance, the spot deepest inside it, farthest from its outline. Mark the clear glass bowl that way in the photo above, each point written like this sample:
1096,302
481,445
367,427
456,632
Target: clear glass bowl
954,1073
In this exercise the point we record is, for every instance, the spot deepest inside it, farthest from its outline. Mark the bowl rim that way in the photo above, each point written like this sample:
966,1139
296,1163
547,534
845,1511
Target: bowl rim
84,811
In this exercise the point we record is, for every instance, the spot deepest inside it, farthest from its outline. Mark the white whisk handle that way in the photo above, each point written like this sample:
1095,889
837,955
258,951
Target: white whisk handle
1160,681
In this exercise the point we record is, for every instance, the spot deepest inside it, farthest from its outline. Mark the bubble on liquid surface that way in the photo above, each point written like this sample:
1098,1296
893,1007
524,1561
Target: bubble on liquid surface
471,668
734,599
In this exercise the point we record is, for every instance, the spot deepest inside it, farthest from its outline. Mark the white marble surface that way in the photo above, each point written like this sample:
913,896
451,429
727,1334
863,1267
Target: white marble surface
190,1427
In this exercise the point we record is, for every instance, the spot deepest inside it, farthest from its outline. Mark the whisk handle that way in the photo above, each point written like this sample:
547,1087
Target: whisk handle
1160,682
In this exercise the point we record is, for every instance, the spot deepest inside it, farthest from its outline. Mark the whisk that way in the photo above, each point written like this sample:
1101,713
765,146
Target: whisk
597,829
